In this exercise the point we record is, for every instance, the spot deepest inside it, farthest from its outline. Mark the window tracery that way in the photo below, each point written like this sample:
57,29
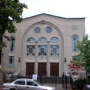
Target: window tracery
42,50
30,50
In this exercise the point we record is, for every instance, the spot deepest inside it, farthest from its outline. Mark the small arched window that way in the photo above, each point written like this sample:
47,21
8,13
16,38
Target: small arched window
54,39
74,43
30,39
42,39
12,43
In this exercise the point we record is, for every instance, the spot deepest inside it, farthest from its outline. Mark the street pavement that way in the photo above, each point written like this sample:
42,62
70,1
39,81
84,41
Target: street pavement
57,86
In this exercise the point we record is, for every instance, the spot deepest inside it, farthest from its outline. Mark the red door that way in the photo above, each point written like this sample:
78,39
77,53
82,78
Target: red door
54,69
41,69
29,69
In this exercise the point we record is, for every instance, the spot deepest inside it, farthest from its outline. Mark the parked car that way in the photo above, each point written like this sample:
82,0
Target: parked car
26,84
87,87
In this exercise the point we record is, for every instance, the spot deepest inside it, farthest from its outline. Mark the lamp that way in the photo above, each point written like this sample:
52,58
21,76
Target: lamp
64,59
19,59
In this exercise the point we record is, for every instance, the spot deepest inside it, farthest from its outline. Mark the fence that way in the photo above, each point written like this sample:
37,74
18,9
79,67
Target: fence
42,79
46,79
67,81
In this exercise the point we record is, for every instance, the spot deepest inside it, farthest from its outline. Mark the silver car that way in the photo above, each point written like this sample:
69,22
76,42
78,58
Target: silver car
25,84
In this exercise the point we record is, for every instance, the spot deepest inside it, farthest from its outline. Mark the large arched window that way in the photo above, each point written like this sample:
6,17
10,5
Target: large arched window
30,48
12,43
74,43
54,49
42,49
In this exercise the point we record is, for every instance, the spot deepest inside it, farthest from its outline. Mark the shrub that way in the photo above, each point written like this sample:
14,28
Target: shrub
88,81
79,83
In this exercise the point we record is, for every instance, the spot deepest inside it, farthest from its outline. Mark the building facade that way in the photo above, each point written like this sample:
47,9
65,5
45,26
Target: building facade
43,44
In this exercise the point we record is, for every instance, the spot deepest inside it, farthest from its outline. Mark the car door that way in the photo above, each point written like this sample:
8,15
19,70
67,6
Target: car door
20,85
32,85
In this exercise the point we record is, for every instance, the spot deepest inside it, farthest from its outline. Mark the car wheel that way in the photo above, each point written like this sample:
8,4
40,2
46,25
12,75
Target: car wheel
12,89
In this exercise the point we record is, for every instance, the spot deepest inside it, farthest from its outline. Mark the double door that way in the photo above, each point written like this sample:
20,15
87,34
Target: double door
42,69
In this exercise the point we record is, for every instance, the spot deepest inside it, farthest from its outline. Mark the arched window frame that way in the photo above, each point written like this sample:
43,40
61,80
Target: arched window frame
42,49
54,39
42,39
54,48
30,48
30,39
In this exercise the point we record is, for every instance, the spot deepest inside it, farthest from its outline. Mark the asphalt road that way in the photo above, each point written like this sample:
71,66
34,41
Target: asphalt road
57,86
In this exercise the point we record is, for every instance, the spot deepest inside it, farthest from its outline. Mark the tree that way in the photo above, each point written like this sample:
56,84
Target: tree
74,68
83,58
10,10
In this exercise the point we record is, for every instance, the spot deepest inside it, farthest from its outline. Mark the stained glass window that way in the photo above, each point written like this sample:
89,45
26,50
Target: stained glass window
54,50
30,50
54,39
12,43
37,30
74,43
30,39
11,60
42,50
48,29
42,39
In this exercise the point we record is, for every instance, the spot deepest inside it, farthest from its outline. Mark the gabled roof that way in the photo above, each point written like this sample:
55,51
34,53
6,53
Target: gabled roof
54,16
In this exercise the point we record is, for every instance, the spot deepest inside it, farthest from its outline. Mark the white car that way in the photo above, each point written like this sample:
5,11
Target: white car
26,84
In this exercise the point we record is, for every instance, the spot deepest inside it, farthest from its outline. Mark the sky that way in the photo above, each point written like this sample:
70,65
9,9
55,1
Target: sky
62,8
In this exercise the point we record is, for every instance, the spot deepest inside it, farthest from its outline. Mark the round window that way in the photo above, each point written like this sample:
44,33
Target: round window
37,30
48,29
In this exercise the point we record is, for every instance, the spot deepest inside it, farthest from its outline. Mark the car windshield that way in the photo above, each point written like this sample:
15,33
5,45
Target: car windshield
38,82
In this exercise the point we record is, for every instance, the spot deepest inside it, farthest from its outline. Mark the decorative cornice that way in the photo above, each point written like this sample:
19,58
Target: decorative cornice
42,22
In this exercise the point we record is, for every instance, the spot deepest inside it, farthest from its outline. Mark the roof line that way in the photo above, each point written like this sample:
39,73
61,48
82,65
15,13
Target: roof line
53,16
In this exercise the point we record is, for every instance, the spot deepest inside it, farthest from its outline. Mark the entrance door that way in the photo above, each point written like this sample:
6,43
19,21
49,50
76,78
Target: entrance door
42,69
29,69
54,69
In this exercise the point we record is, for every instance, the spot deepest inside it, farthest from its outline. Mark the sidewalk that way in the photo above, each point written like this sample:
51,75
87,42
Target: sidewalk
0,86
